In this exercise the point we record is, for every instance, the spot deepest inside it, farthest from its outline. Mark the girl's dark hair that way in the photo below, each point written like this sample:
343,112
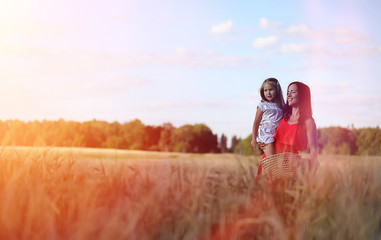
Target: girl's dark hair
305,109
279,96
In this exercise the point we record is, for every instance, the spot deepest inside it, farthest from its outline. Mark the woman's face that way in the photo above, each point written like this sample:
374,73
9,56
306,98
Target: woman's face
292,95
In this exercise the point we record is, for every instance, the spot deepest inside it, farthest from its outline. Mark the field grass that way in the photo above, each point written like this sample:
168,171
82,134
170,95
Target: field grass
76,193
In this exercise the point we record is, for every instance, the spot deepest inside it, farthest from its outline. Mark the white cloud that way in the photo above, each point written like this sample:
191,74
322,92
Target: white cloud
331,107
298,30
189,105
356,52
263,23
222,28
51,63
293,48
305,32
180,50
183,57
42,62
341,35
322,90
326,51
323,43
265,42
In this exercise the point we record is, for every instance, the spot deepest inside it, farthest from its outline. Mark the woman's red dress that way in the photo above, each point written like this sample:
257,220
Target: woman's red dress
288,138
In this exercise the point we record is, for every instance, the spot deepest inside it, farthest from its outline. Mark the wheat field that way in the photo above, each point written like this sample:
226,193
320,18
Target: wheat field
76,193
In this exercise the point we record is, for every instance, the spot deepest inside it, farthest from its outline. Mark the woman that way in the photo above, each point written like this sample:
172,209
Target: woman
297,127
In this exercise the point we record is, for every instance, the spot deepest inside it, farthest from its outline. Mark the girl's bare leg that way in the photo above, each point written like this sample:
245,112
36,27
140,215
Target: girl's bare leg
269,149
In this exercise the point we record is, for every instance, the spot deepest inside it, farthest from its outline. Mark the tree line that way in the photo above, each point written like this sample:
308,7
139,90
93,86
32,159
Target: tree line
335,140
197,138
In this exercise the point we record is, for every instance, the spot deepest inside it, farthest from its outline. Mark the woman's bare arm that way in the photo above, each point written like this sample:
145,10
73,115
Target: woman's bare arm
312,140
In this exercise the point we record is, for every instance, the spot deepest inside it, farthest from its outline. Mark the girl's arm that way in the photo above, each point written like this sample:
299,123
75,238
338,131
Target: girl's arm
257,120
312,142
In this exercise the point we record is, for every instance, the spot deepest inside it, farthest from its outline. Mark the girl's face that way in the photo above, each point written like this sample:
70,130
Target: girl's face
292,95
270,92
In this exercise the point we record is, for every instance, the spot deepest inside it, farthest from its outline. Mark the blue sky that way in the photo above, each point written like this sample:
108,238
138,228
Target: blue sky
187,61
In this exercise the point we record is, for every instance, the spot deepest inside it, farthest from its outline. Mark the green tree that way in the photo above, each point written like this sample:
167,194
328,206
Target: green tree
94,136
369,141
182,139
114,136
234,143
133,134
222,145
337,140
204,140
194,139
244,147
151,138
164,143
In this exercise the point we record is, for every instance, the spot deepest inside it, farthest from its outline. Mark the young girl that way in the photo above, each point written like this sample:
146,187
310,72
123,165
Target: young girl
269,113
